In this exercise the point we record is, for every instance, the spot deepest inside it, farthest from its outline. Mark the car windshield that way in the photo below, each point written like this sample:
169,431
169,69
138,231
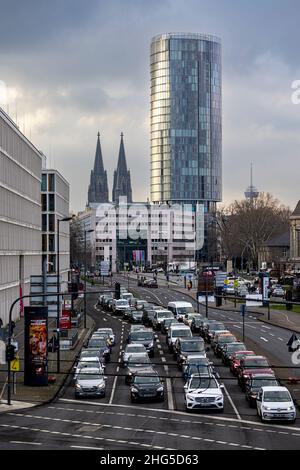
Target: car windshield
122,302
134,349
146,380
203,382
97,343
192,346
197,321
137,313
226,339
235,347
253,363
241,355
184,310
139,360
89,376
88,353
264,382
181,333
106,330
216,327
198,368
84,364
198,360
277,395
165,315
142,336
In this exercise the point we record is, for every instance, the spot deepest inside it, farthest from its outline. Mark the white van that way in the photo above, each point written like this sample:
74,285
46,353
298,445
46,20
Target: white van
180,309
177,331
127,296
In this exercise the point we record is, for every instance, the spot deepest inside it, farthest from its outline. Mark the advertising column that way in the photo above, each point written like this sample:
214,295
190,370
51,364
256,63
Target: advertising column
36,346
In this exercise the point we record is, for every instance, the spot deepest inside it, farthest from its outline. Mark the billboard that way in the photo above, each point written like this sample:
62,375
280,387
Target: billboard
36,346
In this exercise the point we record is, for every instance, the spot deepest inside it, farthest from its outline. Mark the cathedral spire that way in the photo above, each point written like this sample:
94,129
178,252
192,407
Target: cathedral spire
98,188
122,180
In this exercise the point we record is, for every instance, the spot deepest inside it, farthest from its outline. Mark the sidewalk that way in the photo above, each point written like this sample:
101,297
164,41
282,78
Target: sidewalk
26,396
282,318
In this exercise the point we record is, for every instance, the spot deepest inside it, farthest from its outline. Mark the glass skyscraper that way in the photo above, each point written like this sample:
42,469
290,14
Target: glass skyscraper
186,119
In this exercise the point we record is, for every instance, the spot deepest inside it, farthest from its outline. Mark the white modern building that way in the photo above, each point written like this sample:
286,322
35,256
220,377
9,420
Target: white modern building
20,214
55,206
164,236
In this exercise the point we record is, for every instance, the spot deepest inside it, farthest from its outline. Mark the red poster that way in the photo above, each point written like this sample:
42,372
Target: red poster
65,320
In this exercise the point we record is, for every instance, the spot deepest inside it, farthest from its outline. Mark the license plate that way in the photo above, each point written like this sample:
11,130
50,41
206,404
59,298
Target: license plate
148,395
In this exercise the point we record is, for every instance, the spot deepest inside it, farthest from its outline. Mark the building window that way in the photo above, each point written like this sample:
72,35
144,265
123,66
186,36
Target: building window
44,242
44,202
44,222
44,182
51,242
51,223
51,182
51,203
52,264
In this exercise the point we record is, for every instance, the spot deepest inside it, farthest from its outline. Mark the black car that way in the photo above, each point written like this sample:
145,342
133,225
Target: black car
145,337
135,316
211,328
148,317
127,312
229,349
166,323
222,341
183,347
255,382
203,325
101,345
147,387
195,325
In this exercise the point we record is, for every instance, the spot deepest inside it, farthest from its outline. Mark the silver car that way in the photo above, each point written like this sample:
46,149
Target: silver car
132,349
87,363
90,382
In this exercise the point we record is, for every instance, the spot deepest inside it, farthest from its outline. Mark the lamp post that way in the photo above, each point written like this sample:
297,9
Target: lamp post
65,219
85,263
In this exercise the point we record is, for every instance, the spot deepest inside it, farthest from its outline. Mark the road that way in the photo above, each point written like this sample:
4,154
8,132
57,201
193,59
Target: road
114,423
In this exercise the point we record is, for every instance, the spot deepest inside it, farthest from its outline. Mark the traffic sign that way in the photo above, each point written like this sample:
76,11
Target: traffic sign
104,268
15,364
221,279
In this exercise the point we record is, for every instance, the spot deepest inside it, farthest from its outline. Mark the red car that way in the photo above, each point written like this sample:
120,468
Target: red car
236,358
251,364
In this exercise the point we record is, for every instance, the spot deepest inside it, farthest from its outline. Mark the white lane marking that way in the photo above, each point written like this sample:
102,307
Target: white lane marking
280,339
271,334
267,327
161,352
104,319
236,326
87,447
251,326
29,443
232,404
159,346
169,390
264,339
163,359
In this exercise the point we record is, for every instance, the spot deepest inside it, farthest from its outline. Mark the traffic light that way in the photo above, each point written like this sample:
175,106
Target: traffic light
10,353
117,290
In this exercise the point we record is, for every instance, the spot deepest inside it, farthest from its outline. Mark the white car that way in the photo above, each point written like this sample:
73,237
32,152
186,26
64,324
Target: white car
188,318
275,404
203,392
180,309
119,306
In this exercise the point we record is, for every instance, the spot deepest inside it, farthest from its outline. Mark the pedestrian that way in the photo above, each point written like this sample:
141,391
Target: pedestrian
1,322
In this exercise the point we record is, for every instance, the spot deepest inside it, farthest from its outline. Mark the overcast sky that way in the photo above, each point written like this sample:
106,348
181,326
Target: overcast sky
73,67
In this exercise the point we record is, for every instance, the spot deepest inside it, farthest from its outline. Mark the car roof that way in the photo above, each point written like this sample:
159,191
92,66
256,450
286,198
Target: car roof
90,370
180,304
256,357
180,326
259,375
274,388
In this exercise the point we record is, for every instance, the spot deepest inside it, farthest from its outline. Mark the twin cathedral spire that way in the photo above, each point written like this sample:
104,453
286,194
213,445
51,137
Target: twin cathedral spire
98,188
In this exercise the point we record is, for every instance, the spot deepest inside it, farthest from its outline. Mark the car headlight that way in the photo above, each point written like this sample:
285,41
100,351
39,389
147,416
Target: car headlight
150,345
291,408
190,397
219,397
134,390
78,386
129,373
160,389
266,408
102,385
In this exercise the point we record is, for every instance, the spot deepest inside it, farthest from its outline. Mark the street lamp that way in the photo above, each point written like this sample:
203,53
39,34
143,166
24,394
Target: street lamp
65,219
85,263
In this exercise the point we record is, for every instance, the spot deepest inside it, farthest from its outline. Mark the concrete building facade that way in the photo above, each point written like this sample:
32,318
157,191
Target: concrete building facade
20,214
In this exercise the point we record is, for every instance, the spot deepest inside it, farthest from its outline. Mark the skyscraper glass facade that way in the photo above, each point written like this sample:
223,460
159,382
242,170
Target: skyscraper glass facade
186,119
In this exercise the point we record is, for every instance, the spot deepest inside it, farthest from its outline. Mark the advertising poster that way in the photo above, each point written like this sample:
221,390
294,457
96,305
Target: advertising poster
36,346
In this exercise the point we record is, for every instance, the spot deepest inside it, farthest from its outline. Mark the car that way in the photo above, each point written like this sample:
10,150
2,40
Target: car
236,358
92,353
119,305
127,312
275,404
177,331
111,334
159,316
102,335
166,324
152,283
278,291
203,325
203,392
144,337
101,345
195,325
135,327
137,363
180,309
146,387
196,365
184,347
251,364
135,316
132,348
229,349
254,384
148,316
127,296
87,364
211,328
188,318
222,340
216,336
90,382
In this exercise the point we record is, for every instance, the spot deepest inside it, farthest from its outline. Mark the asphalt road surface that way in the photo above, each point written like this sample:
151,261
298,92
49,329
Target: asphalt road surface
113,422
